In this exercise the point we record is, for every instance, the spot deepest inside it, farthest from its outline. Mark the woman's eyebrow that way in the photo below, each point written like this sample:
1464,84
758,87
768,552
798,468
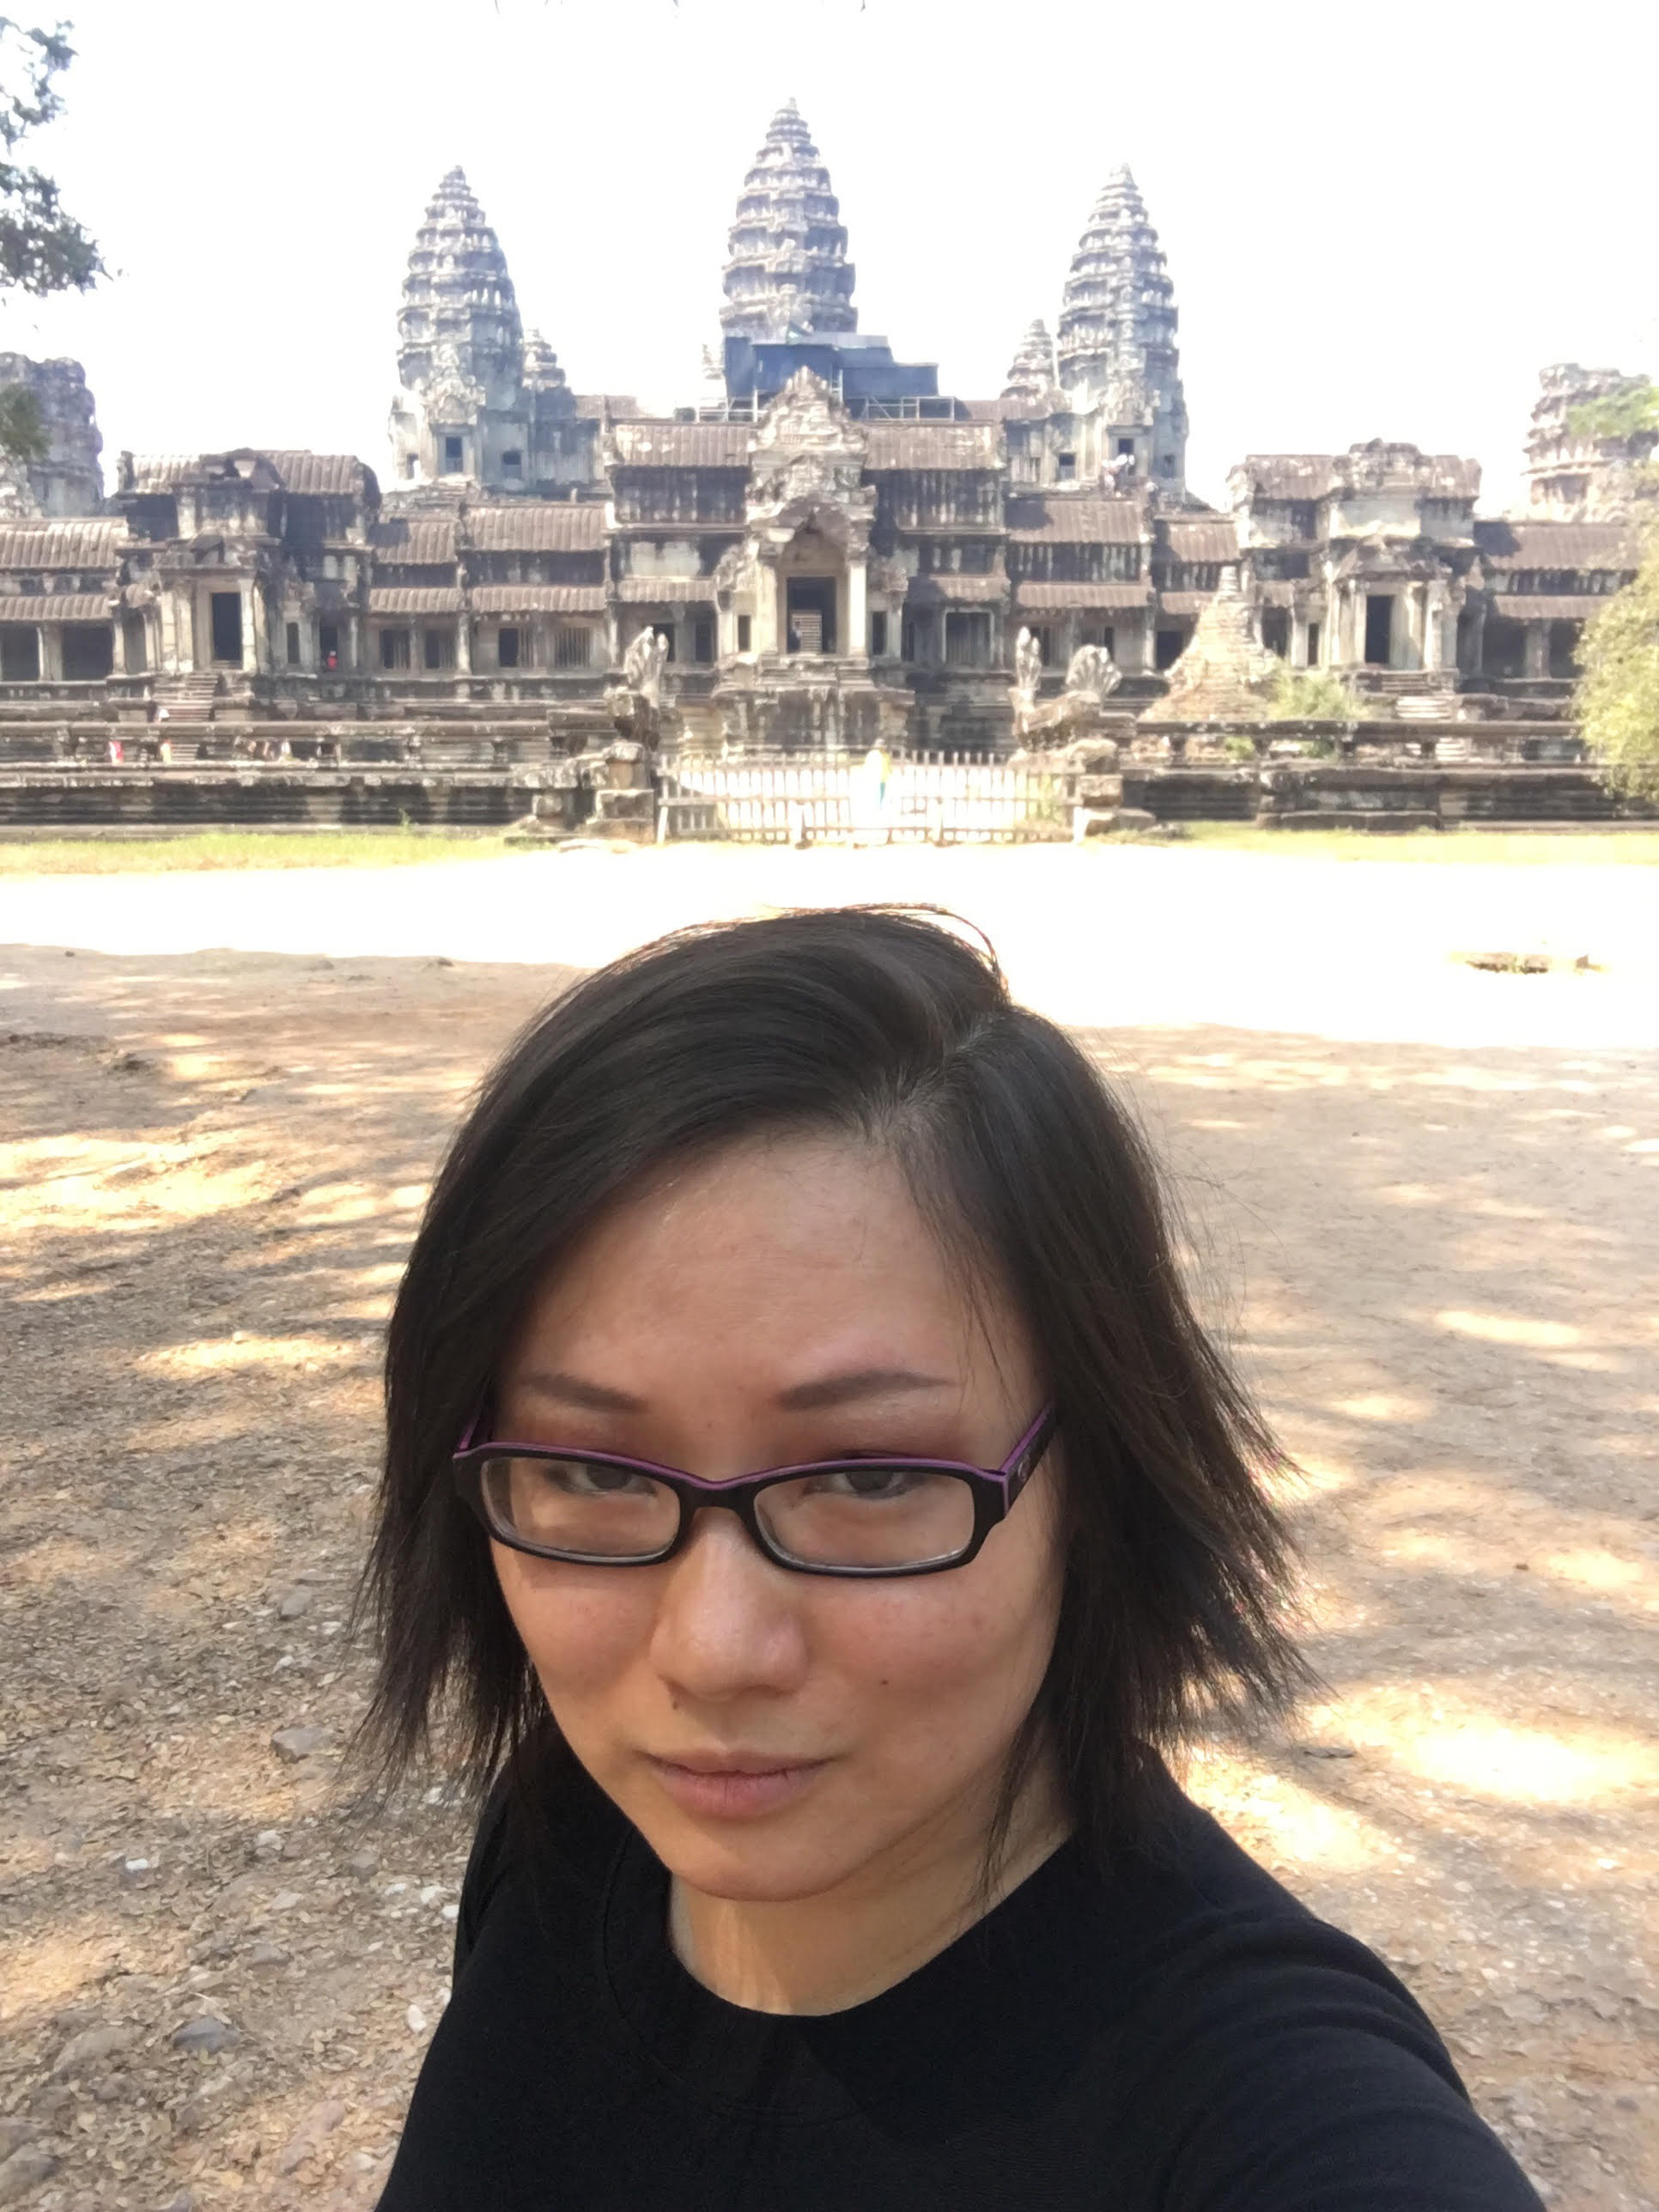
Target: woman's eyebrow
860,1382
565,1389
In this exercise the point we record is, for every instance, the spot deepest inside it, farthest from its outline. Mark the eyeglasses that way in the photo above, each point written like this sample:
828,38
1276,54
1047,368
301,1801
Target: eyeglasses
837,1516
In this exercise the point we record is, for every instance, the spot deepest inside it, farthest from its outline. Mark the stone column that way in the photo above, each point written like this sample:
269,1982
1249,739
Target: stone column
52,652
857,640
1538,649
117,647
353,642
251,654
464,643
768,592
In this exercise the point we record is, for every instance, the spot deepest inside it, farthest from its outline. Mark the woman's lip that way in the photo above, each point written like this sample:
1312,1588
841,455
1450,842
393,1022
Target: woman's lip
734,1789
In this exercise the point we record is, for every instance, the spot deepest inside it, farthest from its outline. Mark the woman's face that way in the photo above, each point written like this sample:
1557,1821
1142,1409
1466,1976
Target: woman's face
773,1735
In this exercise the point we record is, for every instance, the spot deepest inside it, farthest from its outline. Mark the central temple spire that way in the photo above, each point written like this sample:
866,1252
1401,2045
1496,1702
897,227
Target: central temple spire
1117,326
787,272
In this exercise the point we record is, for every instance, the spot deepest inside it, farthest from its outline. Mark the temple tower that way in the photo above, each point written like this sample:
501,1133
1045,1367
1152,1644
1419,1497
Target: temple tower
1030,386
787,270
1574,475
461,413
1117,345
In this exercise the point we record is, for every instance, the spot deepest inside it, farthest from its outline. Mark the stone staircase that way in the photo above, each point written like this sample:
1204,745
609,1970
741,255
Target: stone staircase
187,698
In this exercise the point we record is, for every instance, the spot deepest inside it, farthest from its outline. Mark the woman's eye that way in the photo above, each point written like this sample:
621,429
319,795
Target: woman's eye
586,1479
873,1482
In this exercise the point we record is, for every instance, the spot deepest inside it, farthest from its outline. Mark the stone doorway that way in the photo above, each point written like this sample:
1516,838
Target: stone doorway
811,610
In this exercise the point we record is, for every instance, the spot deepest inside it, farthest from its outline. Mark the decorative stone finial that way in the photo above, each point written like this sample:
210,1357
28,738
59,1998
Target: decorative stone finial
1031,373
786,269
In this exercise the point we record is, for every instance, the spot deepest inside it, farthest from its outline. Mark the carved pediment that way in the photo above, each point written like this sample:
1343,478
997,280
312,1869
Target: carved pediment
806,413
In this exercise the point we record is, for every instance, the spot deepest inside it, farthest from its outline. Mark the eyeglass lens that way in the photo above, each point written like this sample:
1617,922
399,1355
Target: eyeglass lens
861,1516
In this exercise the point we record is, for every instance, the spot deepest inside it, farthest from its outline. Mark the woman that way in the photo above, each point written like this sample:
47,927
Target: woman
810,1494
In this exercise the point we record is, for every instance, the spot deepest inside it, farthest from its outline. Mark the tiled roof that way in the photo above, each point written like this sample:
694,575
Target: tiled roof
539,598
1073,519
1045,599
682,445
415,541
1183,603
55,606
1289,476
1548,606
1603,545
952,590
327,475
538,527
414,599
665,591
933,446
1214,539
96,543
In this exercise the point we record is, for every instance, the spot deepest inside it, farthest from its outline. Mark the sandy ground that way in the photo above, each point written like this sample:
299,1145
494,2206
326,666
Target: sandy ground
1425,1210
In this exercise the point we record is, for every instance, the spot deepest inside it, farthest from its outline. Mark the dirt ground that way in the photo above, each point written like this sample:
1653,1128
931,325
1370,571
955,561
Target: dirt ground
1440,1265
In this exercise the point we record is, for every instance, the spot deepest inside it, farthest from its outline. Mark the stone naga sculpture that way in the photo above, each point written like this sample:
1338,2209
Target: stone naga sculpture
1028,669
1073,718
643,664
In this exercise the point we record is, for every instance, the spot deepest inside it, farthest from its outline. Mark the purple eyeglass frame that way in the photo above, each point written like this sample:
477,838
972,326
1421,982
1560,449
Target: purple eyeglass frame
995,1490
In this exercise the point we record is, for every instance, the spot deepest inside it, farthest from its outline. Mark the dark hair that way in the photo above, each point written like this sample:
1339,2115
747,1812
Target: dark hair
889,1026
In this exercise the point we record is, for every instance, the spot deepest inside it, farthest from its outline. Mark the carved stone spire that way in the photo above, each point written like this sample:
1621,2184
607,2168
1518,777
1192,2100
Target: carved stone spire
786,268
1030,384
458,325
1117,326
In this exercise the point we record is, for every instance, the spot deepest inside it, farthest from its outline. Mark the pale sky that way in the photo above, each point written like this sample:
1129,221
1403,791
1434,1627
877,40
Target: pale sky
1380,221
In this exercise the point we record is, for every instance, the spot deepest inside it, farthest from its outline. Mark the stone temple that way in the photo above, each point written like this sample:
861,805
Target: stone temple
831,549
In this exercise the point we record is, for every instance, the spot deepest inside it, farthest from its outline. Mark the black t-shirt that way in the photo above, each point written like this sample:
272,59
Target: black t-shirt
1181,2035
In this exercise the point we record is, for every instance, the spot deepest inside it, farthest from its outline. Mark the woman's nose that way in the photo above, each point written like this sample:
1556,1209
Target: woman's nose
728,1622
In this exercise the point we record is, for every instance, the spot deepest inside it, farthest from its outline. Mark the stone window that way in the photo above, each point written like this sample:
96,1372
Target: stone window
1276,630
1563,648
1101,634
1313,645
507,642
572,648
292,645
453,456
967,639
394,649
879,635
20,652
1168,648
438,648
328,645
411,464
88,652
135,643
1066,466
1045,642
702,638
745,632
1126,448
513,463
1379,629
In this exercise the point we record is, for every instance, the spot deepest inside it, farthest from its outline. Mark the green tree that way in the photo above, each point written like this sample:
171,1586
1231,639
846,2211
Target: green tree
1311,694
1618,696
1626,414
43,249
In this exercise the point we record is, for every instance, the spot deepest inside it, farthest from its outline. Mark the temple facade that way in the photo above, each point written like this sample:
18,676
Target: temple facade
832,550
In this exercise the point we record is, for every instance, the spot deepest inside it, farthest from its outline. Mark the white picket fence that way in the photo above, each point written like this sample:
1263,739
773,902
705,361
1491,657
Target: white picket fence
940,799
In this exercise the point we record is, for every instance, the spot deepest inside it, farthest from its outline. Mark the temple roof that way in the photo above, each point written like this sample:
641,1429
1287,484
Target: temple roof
1032,379
96,543
787,272
1073,519
1601,545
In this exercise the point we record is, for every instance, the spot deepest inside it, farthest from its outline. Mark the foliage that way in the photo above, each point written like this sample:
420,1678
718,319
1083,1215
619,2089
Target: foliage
23,434
1618,696
43,249
1624,414
1311,694
1238,749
